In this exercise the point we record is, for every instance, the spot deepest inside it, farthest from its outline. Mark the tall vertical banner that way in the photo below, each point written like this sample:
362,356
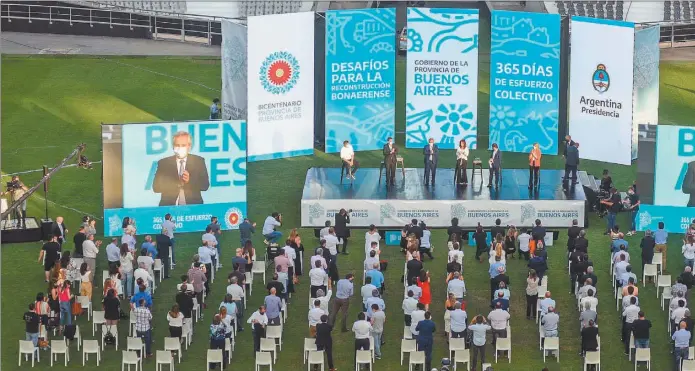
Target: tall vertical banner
524,81
360,78
281,86
600,94
646,82
234,69
674,175
442,77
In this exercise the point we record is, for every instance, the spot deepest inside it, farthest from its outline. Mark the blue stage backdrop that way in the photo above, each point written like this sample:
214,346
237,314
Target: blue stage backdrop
442,77
676,219
524,80
360,78
215,167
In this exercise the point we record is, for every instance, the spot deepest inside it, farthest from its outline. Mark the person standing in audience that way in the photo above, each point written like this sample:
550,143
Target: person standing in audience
78,239
424,283
164,245
415,317
314,317
324,340
197,277
362,330
550,323
378,319
143,318
630,314
184,299
479,328
206,253
647,245
409,306
425,336
90,250
640,330
499,319
344,291
661,243
532,283
342,219
273,308
218,332
458,318
681,345
49,256
688,251
32,322
457,287
175,319
258,322
318,279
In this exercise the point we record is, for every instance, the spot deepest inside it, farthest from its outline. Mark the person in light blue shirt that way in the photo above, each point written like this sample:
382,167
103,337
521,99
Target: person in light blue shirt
215,109
113,252
546,303
205,253
480,328
375,299
377,277
615,245
660,235
681,340
458,322
494,271
150,247
625,277
141,294
504,290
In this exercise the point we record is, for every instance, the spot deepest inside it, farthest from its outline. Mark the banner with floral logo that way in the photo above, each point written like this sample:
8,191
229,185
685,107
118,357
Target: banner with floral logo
442,77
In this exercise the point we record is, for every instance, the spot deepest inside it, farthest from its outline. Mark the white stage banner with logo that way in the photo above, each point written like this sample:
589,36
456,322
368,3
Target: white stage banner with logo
234,77
601,80
438,214
280,86
442,77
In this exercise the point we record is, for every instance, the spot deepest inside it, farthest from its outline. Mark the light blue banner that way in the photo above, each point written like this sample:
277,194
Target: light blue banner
674,170
360,78
646,82
524,81
442,77
676,219
162,175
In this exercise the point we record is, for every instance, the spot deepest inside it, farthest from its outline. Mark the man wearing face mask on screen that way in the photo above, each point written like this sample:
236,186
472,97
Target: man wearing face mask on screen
181,178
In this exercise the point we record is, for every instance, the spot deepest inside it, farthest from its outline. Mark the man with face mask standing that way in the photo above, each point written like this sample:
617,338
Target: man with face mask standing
390,153
181,178
431,152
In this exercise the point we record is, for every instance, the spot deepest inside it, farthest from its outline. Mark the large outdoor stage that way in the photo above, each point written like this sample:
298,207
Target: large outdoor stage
410,198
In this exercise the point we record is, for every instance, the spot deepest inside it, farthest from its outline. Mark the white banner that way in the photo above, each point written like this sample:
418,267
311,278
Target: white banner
281,86
442,77
601,79
438,213
234,76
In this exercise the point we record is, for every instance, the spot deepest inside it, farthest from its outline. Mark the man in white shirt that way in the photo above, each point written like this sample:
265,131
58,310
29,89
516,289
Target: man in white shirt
318,257
589,298
324,231
362,330
425,244
324,299
677,315
90,250
456,254
498,320
619,268
630,314
366,292
417,291
315,314
269,232
332,243
147,279
258,321
169,226
415,317
318,279
235,290
371,260
409,306
458,321
457,287
210,238
524,239
347,154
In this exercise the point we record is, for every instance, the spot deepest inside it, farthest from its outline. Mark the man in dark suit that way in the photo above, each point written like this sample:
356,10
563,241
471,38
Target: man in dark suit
415,229
572,162
497,229
572,234
163,243
342,219
568,143
495,163
431,152
425,338
324,340
181,178
390,152
689,183
538,231
59,230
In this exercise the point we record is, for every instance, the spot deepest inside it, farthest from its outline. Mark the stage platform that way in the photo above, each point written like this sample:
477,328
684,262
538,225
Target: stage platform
437,204
11,231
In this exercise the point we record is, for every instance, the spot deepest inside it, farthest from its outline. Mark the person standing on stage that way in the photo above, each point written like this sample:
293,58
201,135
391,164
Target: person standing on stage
568,143
431,152
495,163
347,154
572,162
534,166
390,152
461,163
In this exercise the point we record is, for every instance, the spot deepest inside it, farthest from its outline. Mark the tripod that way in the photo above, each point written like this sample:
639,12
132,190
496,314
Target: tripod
19,213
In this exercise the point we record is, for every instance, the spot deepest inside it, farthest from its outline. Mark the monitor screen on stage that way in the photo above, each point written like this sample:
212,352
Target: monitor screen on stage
190,170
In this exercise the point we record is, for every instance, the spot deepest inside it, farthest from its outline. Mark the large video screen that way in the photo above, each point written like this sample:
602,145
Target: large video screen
191,170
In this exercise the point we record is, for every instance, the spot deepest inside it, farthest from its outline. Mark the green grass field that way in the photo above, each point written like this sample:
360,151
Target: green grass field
50,104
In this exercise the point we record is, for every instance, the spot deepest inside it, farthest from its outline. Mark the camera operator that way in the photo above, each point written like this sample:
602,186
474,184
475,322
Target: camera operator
342,219
16,190
269,232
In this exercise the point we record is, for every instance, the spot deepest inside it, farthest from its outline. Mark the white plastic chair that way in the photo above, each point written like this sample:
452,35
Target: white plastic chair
406,333
249,282
316,359
173,344
274,332
462,356
132,321
643,355
164,358
27,348
364,357
268,345
214,356
158,267
310,346
666,296
657,260
59,347
550,344
264,359
407,347
90,347
114,332
541,336
504,345
187,333
228,347
78,337
592,358
416,358
86,305
258,268
130,358
456,344
97,319
650,270
664,281
135,344
688,365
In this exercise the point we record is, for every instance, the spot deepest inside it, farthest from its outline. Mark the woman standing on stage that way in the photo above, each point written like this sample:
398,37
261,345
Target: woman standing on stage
461,163
534,166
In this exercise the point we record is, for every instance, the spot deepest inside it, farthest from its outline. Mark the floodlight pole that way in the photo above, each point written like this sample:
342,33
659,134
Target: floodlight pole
45,190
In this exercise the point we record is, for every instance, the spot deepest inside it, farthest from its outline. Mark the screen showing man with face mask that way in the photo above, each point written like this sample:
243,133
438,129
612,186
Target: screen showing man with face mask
180,178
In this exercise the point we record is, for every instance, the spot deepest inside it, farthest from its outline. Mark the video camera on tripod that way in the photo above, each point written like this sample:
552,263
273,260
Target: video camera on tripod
13,185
